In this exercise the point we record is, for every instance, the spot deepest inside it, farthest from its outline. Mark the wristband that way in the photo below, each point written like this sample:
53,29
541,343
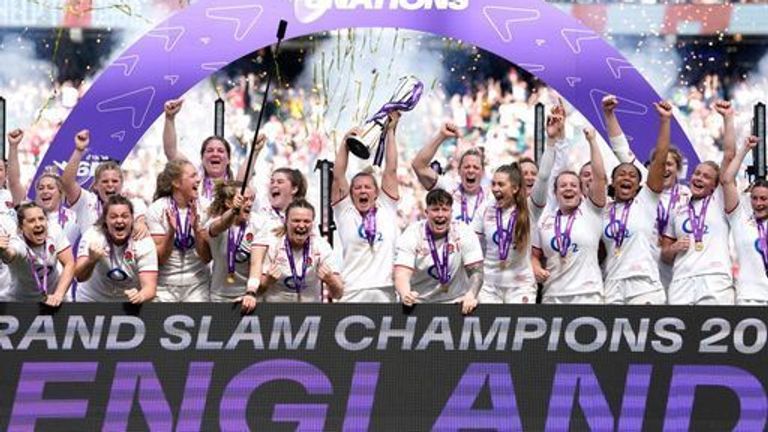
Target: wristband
249,293
252,285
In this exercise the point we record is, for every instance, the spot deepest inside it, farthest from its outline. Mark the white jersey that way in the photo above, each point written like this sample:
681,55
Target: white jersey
88,209
183,268
65,219
683,195
286,286
7,227
264,221
461,211
42,260
118,271
638,255
752,283
367,265
578,272
514,272
413,252
221,284
714,257
6,205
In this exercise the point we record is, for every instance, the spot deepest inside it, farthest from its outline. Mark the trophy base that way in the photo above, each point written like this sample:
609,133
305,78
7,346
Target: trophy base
358,148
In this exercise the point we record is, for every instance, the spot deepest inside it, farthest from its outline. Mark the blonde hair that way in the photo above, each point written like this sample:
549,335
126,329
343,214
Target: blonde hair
172,171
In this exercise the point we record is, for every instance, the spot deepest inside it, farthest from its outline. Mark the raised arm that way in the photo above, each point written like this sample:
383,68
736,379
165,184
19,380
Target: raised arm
224,221
172,107
597,191
655,180
728,177
260,143
725,109
69,176
555,134
427,177
609,114
616,137
340,187
389,182
13,167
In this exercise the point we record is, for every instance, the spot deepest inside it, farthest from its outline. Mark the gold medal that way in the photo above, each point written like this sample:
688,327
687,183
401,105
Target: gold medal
444,288
617,252
699,246
231,278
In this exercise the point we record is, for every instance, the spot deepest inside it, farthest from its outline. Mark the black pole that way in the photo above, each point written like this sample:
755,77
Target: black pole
758,153
280,35
218,118
327,224
538,132
4,154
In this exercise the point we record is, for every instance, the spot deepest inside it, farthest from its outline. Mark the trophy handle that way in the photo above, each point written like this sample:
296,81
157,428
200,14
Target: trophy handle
357,146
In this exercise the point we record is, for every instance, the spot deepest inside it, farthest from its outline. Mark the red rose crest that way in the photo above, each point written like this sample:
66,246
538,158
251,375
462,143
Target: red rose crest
128,255
249,237
451,248
51,249
9,204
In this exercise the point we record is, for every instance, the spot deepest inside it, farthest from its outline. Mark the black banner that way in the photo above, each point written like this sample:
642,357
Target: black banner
191,367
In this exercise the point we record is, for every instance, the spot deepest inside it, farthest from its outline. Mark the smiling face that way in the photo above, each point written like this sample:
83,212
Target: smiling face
585,176
34,226
281,190
567,191
119,223
187,183
364,192
759,200
626,182
299,225
215,158
471,173
503,189
48,194
108,183
671,171
704,180
439,218
530,171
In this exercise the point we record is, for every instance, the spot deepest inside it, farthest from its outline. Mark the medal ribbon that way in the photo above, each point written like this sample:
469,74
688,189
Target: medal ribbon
233,243
298,280
183,235
505,235
466,218
762,238
662,214
42,284
563,239
369,226
620,232
698,221
441,267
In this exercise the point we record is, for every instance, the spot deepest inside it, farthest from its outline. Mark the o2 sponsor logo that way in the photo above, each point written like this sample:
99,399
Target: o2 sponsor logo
361,234
615,227
432,272
308,11
689,229
497,237
573,247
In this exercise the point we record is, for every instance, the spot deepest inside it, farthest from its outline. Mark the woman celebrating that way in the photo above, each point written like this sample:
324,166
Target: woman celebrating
49,194
569,237
108,180
112,267
504,227
182,247
39,260
750,232
629,227
294,262
230,241
696,240
285,186
366,224
215,154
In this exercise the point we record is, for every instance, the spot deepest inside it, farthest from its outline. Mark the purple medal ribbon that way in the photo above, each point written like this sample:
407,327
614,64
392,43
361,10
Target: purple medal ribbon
63,219
618,228
232,245
466,218
406,104
698,221
183,236
505,235
369,225
42,285
662,214
441,267
762,238
563,239
298,280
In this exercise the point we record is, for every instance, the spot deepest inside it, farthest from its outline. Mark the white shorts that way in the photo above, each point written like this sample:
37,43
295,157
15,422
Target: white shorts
490,294
714,289
279,296
639,290
220,297
750,302
183,294
593,298
370,295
